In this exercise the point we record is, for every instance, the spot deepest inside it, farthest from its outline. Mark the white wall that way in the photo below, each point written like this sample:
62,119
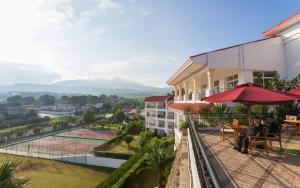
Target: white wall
265,55
227,58
291,38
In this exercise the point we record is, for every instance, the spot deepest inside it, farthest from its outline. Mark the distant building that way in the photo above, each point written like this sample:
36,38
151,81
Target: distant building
157,115
15,110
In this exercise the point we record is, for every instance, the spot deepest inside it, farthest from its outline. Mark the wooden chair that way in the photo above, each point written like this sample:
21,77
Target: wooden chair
259,140
287,126
227,129
276,136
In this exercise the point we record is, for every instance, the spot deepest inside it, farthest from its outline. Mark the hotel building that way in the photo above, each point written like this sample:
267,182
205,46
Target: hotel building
215,71
157,116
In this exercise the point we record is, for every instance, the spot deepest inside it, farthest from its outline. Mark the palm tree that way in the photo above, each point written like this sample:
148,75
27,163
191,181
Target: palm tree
7,179
159,156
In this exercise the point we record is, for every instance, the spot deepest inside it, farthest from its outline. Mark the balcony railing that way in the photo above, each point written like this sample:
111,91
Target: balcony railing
161,125
161,116
150,106
206,172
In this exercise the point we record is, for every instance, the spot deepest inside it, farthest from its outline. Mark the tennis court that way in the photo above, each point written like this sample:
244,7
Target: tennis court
78,142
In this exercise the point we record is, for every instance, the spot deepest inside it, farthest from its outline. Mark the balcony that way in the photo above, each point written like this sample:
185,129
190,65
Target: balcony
161,106
161,116
150,106
198,96
218,165
171,125
161,124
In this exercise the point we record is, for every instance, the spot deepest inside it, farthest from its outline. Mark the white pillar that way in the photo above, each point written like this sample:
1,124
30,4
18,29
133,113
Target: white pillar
195,90
210,82
185,85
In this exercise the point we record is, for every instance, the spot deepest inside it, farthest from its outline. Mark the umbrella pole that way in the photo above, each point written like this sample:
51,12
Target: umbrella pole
249,113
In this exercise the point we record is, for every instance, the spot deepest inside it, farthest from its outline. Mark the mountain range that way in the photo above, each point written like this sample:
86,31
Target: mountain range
96,87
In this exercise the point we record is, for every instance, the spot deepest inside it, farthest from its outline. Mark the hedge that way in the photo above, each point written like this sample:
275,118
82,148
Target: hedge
107,145
123,172
131,171
113,155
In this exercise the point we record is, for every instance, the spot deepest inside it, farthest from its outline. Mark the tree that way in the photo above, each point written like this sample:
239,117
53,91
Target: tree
135,127
14,99
159,156
91,99
47,100
31,113
119,116
78,100
64,99
28,100
144,137
89,116
128,139
7,179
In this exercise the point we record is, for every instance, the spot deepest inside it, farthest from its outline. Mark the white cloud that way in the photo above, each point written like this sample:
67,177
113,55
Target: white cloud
11,72
110,5
145,12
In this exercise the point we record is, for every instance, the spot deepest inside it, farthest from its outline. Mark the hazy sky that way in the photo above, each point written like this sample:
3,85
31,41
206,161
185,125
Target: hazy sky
42,41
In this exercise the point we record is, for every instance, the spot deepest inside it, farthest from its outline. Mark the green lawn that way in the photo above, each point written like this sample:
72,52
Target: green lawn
53,174
123,148
24,127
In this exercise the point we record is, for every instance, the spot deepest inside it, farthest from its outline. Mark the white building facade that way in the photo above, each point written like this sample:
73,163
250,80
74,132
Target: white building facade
212,72
157,115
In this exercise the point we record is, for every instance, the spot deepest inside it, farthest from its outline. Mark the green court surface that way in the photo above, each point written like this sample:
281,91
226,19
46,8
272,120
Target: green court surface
53,174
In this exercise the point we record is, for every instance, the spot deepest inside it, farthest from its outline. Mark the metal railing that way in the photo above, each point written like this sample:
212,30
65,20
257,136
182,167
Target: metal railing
206,172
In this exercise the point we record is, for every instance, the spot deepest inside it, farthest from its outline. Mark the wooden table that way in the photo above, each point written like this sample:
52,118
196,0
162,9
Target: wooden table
296,122
237,130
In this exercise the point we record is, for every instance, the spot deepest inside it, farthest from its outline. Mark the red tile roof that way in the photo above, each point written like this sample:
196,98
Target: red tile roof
158,98
274,30
183,106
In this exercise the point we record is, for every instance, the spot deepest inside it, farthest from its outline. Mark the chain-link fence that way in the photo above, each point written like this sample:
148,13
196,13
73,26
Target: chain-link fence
72,146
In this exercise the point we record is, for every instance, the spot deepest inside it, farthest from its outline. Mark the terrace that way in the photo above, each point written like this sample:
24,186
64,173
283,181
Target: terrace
218,165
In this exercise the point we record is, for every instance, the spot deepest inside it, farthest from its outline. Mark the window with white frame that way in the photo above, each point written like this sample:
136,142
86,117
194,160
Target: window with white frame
232,81
262,77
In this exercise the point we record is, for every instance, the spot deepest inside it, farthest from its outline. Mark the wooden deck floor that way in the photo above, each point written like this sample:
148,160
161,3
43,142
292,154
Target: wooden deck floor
239,170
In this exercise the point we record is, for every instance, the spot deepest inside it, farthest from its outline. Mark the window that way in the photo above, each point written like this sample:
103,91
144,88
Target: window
216,87
232,81
216,84
161,124
262,77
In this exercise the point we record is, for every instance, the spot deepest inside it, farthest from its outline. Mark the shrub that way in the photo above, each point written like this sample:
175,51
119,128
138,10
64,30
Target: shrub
112,155
128,139
121,171
144,137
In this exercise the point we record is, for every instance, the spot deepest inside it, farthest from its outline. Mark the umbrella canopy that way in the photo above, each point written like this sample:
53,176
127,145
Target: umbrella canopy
250,94
295,91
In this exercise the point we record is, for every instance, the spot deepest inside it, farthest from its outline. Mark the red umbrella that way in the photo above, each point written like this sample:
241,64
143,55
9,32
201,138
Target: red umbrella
295,91
250,94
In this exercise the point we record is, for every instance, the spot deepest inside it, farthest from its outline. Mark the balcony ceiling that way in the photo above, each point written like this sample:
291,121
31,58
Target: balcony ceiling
185,73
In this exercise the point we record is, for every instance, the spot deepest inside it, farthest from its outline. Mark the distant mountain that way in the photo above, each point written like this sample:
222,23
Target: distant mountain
95,87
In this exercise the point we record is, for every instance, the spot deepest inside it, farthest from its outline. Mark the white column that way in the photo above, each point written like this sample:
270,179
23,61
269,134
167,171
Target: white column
195,90
176,94
185,85
210,83
179,93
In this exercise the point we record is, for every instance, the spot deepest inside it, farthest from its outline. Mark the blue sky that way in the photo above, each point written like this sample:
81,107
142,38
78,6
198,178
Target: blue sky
43,41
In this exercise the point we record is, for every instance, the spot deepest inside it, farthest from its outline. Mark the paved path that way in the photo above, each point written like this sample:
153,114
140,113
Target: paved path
239,170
